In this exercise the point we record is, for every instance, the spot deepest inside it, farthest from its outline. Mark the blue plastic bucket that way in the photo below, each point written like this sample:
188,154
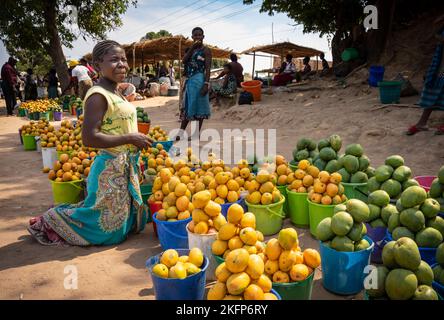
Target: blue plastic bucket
226,206
427,254
343,272
172,235
190,288
166,144
376,74
276,294
389,91
439,288
378,235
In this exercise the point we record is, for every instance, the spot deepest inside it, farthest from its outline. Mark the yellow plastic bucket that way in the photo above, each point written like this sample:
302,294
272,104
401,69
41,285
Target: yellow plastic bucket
67,192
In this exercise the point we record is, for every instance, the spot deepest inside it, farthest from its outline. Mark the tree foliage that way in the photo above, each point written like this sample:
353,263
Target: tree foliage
156,35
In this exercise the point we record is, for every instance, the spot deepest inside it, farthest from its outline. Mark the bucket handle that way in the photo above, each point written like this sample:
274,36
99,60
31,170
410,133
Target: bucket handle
279,214
360,191
73,183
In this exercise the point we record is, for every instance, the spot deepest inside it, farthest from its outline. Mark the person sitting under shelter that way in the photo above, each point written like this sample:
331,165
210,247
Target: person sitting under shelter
236,68
229,86
287,72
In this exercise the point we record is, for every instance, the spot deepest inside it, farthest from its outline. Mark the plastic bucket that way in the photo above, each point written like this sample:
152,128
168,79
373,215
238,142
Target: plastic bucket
73,111
349,54
298,209
29,143
293,165
67,192
425,181
34,116
254,87
22,113
283,191
51,115
79,112
378,236
58,116
44,115
190,288
389,91
204,242
219,260
226,206
350,190
143,127
439,288
300,290
154,207
376,74
146,191
49,156
172,235
269,218
20,135
427,254
343,272
166,144
317,213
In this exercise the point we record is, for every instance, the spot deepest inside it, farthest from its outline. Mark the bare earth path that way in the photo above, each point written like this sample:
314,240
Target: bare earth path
31,271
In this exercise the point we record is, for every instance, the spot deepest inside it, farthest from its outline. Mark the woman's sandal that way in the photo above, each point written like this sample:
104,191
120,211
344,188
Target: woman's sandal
439,131
414,129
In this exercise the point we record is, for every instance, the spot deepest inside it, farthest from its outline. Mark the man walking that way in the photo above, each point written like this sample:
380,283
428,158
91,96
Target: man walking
9,81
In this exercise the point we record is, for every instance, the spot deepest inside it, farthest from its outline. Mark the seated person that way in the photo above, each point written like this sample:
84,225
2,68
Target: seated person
287,72
229,86
325,66
237,68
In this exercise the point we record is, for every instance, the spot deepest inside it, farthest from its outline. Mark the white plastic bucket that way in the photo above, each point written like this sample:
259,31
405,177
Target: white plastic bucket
49,156
204,242
37,142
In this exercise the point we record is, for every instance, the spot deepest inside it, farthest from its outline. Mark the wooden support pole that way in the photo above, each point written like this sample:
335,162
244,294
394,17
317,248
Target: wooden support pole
254,64
134,59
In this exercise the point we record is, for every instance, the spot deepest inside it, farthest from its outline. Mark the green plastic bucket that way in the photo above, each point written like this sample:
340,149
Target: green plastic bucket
29,143
352,192
293,165
349,54
22,113
298,208
300,290
67,192
44,115
269,218
219,259
283,191
51,115
317,213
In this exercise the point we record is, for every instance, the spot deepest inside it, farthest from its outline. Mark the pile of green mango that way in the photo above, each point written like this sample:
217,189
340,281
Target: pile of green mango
142,116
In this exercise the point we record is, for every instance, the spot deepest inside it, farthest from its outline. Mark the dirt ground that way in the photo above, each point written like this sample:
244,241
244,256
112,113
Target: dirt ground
31,271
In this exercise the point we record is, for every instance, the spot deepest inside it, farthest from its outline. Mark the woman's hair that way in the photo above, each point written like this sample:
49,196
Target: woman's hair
197,29
322,55
102,48
289,57
228,66
233,57
306,59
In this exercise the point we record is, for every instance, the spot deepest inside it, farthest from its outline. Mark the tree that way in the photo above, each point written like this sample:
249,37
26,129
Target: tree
48,25
38,60
156,35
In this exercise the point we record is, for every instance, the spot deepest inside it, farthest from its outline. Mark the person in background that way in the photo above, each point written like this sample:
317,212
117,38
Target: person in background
20,87
81,74
236,68
197,103
113,207
53,84
229,86
325,66
432,96
30,86
9,81
286,73
92,73
172,74
164,73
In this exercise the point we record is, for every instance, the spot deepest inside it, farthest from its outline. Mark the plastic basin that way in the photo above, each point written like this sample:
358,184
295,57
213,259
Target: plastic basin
343,272
425,181
204,242
427,254
190,288
389,91
70,192
378,235
269,218
317,213
172,235
254,87
352,192
296,290
298,208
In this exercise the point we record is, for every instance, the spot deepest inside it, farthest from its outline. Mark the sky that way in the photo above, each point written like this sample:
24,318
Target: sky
227,24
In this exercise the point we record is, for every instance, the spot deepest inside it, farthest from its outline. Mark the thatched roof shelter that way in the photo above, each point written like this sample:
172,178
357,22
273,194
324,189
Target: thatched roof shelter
284,48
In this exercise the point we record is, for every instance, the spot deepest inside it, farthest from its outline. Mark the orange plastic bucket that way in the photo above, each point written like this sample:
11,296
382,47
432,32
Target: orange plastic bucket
254,87
143,127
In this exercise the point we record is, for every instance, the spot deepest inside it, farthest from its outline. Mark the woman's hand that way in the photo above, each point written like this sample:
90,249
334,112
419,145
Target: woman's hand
140,140
204,90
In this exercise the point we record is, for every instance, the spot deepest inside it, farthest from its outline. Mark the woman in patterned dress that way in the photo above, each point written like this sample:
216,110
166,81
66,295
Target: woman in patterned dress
114,205
229,85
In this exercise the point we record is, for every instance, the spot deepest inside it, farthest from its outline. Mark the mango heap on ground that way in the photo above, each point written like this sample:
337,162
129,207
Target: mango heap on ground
158,134
206,214
345,231
39,105
173,266
326,189
403,276
241,276
262,190
70,169
237,231
36,128
284,260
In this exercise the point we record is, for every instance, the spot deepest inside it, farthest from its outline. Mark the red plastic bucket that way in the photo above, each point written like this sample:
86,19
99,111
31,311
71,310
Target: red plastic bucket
154,207
254,87
425,181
